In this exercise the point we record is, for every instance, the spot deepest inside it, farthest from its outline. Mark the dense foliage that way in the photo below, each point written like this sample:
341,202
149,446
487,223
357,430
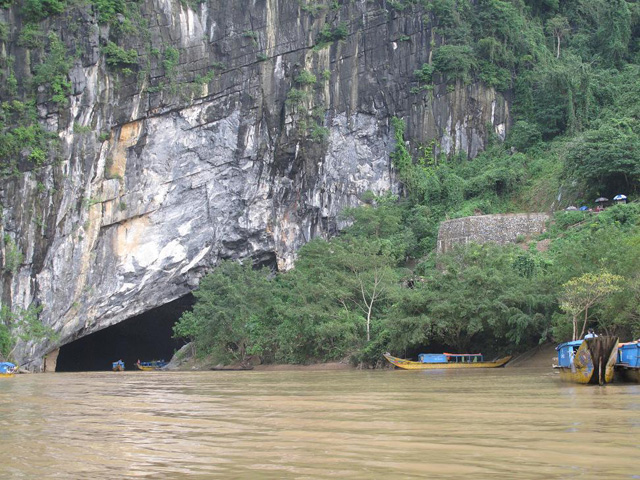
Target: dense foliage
353,296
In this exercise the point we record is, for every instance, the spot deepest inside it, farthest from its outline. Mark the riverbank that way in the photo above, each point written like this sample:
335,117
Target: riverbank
207,364
538,357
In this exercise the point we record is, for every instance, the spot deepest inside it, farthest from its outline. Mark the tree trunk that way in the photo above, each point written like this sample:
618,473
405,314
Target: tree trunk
584,325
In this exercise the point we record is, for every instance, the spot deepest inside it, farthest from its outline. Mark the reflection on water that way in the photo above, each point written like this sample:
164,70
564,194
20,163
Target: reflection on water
498,424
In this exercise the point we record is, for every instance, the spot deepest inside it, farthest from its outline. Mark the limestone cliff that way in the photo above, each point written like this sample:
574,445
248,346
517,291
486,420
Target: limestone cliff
214,143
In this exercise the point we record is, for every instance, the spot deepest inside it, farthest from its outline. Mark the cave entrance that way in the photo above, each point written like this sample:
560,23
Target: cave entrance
145,337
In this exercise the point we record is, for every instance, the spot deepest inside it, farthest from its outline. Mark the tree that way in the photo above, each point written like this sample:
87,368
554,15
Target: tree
558,26
608,158
233,305
581,293
357,272
480,295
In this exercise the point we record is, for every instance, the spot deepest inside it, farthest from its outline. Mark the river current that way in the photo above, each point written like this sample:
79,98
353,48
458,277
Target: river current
513,423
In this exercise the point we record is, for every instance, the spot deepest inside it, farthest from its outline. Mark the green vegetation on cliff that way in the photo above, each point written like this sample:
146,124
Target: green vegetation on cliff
573,68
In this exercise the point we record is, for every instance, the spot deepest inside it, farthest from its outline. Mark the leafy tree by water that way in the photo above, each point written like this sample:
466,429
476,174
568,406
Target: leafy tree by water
233,303
582,293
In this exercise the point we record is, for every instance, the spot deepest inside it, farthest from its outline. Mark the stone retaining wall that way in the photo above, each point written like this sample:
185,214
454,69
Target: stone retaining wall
501,229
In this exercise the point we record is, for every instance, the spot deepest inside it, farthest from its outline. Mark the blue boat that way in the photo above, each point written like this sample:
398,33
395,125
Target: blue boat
118,366
628,364
588,361
7,369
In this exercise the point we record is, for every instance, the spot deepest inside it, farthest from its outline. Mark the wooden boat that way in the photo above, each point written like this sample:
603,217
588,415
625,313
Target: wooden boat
429,361
7,369
118,366
149,366
628,363
588,361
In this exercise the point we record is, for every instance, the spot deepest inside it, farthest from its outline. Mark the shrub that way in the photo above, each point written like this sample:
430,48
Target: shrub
306,78
117,56
36,10
12,255
329,35
31,36
456,61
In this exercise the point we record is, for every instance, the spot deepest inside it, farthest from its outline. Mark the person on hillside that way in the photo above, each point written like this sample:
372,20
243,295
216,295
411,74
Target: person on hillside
590,334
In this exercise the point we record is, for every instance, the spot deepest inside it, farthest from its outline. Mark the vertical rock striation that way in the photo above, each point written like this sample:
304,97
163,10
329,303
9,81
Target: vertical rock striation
215,145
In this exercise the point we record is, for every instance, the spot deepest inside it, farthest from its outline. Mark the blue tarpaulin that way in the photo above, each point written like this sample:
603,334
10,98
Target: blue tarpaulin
7,367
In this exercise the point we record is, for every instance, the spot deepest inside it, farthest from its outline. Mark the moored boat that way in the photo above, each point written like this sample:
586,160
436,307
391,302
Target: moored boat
628,363
433,361
118,366
7,369
588,361
153,365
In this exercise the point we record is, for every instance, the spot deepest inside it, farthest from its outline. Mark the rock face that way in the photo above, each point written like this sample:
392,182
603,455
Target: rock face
500,229
216,144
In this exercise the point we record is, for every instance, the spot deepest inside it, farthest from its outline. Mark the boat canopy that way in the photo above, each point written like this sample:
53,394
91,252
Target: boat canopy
7,367
153,363
566,351
629,354
432,358
450,357
464,357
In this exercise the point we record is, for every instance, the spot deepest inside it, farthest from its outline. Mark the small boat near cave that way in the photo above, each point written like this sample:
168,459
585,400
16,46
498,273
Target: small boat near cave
152,365
7,369
628,363
588,361
429,361
118,366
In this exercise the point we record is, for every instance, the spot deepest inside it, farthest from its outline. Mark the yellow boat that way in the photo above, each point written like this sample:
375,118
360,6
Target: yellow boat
145,368
588,361
149,366
445,360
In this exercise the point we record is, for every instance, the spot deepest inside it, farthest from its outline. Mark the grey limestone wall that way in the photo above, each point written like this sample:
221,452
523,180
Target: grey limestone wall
162,172
501,229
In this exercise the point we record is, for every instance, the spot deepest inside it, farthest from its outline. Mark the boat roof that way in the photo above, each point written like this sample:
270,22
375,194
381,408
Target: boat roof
574,343
462,354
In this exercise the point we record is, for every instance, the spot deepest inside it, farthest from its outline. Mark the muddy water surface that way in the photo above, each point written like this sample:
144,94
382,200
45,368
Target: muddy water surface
490,424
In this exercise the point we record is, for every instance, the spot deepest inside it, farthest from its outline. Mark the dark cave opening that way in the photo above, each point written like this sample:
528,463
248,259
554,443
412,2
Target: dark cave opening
145,337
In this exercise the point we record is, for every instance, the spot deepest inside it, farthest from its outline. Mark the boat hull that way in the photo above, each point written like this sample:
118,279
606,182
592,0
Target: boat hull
147,369
411,365
628,366
6,375
628,374
593,363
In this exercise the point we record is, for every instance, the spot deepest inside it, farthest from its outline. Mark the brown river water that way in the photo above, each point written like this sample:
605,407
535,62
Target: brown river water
510,423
